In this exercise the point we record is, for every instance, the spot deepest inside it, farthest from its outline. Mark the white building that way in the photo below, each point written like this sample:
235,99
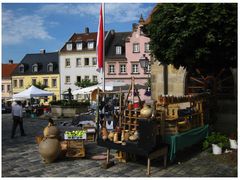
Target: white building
78,61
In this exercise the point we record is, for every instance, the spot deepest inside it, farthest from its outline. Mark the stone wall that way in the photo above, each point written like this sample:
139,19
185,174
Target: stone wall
175,80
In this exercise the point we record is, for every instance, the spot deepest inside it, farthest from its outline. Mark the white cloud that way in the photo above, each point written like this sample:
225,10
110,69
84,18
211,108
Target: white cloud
121,12
17,28
114,12
70,9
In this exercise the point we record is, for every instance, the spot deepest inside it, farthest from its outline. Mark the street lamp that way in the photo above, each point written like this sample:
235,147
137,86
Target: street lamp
144,63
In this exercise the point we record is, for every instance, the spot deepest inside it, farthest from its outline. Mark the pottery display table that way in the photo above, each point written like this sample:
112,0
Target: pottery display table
148,144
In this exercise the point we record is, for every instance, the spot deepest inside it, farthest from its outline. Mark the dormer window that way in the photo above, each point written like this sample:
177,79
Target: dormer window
90,44
50,67
69,46
79,46
35,68
21,68
119,50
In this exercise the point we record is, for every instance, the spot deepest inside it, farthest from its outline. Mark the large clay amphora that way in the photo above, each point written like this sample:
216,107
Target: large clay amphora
146,111
49,148
51,131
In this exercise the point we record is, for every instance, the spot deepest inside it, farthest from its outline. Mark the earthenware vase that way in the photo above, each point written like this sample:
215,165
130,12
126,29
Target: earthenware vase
51,131
49,149
146,111
104,133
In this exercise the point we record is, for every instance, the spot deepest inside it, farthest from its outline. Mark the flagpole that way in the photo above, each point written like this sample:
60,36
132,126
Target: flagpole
103,12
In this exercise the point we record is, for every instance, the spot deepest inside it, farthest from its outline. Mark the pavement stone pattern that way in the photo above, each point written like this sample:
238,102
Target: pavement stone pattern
20,158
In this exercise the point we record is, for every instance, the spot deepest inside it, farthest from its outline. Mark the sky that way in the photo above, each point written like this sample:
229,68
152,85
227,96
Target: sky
29,27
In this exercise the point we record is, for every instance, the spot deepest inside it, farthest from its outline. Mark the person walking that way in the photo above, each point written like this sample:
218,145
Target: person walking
17,113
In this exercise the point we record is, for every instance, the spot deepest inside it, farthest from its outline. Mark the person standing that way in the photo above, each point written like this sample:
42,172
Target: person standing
17,113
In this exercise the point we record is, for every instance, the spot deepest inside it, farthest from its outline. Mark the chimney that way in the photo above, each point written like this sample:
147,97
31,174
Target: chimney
10,61
86,30
42,51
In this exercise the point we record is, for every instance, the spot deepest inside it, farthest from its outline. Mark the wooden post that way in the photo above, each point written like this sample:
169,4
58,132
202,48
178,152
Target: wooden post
148,166
108,155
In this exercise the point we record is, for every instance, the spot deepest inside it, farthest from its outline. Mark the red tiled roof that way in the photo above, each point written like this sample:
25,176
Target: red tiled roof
7,70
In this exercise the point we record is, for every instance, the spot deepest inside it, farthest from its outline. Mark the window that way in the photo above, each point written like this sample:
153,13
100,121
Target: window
67,62
54,82
20,83
122,68
95,79
3,89
86,77
118,49
78,78
111,69
69,46
86,61
8,88
134,68
45,82
21,68
94,61
35,68
67,79
79,46
78,62
146,47
34,81
136,48
90,45
14,83
50,67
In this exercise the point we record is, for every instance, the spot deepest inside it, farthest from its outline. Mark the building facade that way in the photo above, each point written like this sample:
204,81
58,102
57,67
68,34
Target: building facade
78,61
7,70
124,53
38,68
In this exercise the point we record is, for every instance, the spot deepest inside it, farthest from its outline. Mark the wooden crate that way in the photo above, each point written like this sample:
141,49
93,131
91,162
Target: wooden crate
75,148
75,143
75,152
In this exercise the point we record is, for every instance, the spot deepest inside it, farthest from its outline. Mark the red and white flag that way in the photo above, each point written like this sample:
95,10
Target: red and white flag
100,41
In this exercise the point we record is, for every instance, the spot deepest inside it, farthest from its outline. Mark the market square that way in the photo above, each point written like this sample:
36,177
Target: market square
155,96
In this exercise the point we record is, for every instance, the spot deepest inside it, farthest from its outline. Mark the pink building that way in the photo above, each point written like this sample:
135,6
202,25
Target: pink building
122,58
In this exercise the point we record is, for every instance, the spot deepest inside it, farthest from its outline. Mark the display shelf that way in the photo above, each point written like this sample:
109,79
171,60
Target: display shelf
191,117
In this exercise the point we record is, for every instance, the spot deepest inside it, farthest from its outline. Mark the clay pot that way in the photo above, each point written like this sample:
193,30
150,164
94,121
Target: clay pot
104,133
110,136
126,135
130,106
115,137
49,149
146,111
51,131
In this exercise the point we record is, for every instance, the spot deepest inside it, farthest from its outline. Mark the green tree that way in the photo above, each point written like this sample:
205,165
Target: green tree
194,36
85,83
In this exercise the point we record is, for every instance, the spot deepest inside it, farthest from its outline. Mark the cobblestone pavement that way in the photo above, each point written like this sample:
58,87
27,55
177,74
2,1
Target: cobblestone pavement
20,158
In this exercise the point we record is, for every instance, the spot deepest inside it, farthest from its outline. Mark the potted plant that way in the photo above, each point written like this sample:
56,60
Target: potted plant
233,141
218,142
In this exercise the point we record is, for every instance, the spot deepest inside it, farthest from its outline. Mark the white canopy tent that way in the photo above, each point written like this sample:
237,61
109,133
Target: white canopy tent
32,92
108,87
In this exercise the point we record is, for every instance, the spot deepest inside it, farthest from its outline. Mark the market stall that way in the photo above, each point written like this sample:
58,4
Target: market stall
152,130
